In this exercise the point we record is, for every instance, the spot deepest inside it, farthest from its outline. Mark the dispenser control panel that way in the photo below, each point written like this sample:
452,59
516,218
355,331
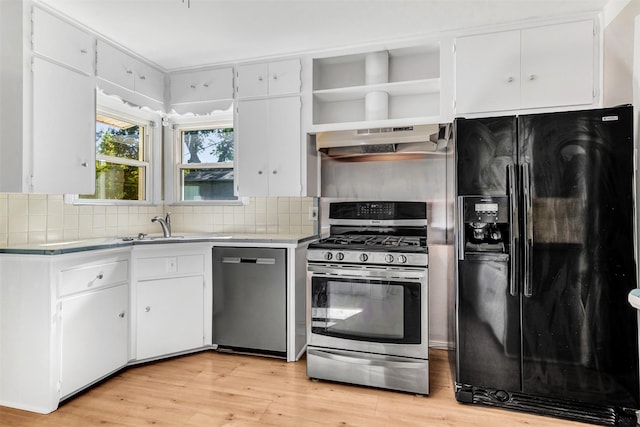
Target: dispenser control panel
486,209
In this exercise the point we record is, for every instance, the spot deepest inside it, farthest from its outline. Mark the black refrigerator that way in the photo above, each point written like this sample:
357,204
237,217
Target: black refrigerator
545,260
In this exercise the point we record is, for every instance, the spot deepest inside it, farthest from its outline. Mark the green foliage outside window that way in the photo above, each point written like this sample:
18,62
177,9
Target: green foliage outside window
117,180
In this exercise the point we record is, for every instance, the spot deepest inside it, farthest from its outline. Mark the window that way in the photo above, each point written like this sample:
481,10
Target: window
205,165
122,159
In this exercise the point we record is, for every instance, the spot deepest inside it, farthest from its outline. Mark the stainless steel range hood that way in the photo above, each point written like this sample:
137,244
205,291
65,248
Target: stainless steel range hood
418,139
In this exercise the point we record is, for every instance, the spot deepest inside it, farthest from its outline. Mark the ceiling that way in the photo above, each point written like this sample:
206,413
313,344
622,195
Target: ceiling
177,34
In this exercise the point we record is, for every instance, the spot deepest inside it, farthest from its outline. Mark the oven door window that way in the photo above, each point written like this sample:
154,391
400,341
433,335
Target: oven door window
366,310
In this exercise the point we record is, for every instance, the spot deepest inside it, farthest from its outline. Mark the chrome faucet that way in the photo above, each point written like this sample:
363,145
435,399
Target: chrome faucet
165,223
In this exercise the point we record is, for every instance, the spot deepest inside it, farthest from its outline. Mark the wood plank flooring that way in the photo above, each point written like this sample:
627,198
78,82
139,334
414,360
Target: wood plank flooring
217,389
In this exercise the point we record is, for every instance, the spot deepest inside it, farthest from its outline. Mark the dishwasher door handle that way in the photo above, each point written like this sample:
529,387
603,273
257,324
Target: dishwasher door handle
243,260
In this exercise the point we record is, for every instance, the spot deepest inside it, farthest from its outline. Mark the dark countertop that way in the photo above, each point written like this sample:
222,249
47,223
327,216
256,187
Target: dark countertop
81,245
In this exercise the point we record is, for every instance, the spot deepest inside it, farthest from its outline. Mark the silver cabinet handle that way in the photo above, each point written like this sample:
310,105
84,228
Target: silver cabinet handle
84,164
193,86
532,76
83,51
393,363
143,78
275,172
259,78
259,172
510,79
121,315
147,309
129,71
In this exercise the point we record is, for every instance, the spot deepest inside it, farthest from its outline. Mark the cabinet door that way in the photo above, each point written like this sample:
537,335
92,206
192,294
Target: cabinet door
94,337
284,146
115,66
170,316
488,72
252,147
199,86
557,65
284,77
149,82
62,42
253,80
63,130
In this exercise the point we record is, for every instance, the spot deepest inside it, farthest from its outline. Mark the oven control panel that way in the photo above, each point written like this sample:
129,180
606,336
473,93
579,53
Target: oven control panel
368,258
381,211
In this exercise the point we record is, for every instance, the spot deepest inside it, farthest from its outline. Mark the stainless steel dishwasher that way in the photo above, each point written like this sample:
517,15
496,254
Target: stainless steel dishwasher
249,300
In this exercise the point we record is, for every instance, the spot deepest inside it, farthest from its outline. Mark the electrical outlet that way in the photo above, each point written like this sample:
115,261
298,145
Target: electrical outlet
313,213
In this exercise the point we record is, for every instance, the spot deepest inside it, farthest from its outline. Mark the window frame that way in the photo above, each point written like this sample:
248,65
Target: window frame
179,166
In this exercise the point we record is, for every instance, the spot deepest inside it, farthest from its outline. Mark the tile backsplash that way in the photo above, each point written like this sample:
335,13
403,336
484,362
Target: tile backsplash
39,218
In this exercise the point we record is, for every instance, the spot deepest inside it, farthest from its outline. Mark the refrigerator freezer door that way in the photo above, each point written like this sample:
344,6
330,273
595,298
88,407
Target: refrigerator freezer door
485,149
488,346
579,335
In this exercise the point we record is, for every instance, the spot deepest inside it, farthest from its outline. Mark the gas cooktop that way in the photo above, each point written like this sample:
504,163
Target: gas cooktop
373,242
382,233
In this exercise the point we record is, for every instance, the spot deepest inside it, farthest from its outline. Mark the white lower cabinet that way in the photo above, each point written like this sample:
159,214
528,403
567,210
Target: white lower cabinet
170,316
171,299
63,324
94,336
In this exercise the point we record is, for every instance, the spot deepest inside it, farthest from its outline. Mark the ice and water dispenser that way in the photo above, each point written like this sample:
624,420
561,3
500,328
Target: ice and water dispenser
484,225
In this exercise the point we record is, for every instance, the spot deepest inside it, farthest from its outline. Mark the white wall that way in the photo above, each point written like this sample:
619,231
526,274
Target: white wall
618,52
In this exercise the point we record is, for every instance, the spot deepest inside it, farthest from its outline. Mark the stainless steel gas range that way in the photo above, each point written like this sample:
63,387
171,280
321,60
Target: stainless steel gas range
369,297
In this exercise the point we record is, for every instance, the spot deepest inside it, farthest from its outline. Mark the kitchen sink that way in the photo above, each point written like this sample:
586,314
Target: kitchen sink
148,238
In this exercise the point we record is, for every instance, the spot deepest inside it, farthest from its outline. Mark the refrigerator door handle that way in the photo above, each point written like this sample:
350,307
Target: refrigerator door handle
460,220
528,230
513,226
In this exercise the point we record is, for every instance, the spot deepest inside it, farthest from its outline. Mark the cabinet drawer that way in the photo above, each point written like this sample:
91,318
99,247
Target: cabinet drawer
92,277
62,42
169,266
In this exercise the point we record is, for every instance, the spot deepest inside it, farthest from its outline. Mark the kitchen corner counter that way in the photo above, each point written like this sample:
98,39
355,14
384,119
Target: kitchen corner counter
82,245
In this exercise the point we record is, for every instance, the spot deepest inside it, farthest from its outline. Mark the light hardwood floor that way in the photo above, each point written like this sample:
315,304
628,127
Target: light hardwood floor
216,389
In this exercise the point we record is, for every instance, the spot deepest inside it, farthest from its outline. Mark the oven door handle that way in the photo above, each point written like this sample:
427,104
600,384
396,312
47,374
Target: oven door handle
388,362
381,274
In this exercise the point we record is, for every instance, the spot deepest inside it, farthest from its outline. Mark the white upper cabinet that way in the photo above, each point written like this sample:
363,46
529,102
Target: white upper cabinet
62,42
539,67
269,79
202,91
387,87
47,113
63,157
558,65
116,67
273,156
269,147
199,86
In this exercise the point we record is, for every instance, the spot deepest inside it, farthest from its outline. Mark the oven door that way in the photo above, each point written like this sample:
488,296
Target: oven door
371,309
